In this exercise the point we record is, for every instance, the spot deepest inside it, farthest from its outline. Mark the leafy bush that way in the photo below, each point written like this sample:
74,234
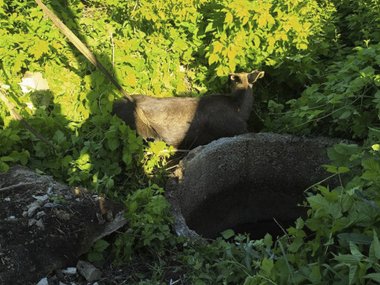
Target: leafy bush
358,21
170,48
345,104
338,242
163,48
149,220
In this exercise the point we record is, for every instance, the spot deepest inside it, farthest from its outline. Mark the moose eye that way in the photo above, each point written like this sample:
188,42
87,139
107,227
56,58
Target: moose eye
236,79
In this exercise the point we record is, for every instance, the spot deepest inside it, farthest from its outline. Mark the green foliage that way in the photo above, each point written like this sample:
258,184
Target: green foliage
156,158
325,51
338,242
346,103
358,21
97,250
148,227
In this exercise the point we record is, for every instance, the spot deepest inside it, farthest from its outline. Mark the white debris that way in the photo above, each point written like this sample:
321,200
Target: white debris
7,199
43,281
30,106
5,86
70,271
33,81
11,219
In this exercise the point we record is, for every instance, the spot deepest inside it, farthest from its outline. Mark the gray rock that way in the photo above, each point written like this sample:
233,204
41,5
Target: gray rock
88,271
41,198
33,207
40,224
40,214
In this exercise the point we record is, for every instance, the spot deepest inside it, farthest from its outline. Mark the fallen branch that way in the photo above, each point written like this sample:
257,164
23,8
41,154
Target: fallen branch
15,186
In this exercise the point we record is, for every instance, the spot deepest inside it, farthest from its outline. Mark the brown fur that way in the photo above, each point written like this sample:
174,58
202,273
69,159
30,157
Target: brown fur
189,122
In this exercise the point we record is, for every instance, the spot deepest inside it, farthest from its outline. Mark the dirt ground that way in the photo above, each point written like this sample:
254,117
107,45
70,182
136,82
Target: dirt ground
46,226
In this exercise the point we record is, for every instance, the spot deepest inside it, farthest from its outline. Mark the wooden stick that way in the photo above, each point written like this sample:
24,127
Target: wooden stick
81,47
15,186
91,57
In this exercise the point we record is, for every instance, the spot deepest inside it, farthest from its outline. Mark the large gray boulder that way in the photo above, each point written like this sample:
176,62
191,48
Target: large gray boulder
251,183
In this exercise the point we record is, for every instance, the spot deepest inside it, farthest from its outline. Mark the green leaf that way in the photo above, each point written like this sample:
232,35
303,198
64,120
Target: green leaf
3,166
229,18
267,266
352,274
213,58
100,245
355,238
40,47
251,280
336,169
348,259
296,244
268,241
346,114
95,256
59,137
355,251
375,245
256,41
227,234
373,276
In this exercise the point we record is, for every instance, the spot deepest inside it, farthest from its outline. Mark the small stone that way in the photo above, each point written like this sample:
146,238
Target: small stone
62,215
40,214
33,207
7,199
88,271
11,219
42,198
70,271
43,281
50,205
32,210
40,224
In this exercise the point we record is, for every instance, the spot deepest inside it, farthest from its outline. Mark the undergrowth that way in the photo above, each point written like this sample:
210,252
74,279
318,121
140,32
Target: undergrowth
322,77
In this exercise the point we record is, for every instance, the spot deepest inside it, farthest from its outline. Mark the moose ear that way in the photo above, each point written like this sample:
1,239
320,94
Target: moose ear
254,75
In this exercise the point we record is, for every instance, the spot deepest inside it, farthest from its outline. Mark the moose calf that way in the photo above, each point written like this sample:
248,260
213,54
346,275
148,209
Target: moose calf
186,122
